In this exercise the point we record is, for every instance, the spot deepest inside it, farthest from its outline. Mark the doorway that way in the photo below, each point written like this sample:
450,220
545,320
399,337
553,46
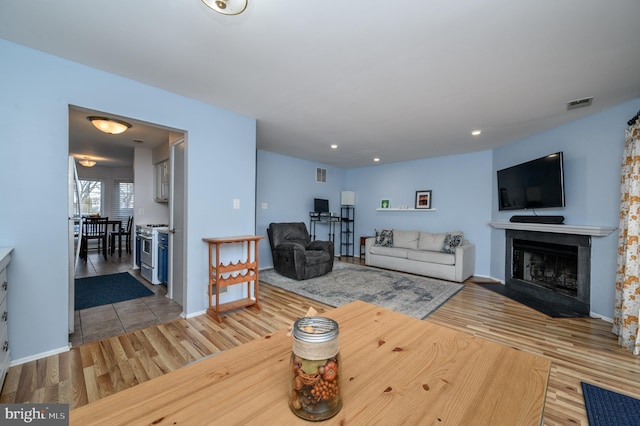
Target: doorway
177,221
116,158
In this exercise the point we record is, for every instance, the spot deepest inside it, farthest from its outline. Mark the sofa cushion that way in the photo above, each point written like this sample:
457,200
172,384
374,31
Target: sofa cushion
406,239
429,241
384,237
451,241
432,257
389,251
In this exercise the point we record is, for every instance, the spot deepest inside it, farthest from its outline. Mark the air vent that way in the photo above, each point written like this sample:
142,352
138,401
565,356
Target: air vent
321,175
579,103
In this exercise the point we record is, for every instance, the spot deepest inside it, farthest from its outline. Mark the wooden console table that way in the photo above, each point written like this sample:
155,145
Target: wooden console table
221,275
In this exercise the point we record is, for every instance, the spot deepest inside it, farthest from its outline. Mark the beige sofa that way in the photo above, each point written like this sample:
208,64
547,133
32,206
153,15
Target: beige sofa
445,255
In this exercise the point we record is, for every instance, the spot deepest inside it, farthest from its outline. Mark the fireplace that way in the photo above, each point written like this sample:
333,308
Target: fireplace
549,270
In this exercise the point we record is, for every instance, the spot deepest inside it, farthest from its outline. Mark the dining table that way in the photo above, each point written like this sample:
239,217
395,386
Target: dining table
396,370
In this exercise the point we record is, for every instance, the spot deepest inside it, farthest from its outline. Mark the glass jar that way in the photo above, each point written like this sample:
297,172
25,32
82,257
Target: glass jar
315,370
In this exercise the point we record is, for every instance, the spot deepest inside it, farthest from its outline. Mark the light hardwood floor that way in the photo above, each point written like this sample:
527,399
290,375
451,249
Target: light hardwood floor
580,350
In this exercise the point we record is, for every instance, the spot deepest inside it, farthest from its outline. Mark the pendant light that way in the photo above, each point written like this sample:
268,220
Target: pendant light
227,7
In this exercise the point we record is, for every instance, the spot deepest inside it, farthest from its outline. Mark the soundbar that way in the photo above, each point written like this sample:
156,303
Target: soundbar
551,220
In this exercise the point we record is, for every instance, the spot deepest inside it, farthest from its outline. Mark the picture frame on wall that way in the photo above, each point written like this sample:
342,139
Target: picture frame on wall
423,199
385,203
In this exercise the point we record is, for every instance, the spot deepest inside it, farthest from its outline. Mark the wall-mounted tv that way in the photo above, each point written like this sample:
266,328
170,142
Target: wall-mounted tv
320,205
536,184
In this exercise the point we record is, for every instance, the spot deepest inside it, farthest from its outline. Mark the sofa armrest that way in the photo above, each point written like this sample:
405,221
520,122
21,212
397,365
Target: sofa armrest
367,247
290,245
465,261
320,245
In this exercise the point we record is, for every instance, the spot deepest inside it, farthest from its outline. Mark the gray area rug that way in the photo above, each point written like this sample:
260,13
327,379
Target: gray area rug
411,295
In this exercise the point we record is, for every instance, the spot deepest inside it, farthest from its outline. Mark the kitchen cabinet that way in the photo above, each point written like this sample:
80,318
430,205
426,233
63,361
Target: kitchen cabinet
161,171
5,358
163,257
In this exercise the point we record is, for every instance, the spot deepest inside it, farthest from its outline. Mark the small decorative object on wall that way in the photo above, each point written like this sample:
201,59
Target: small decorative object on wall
385,204
423,199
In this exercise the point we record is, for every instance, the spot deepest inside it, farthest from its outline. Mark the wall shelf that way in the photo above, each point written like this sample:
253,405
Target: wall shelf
404,210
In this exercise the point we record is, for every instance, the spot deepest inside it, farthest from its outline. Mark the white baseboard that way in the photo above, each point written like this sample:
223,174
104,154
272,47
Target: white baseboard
195,314
594,315
39,356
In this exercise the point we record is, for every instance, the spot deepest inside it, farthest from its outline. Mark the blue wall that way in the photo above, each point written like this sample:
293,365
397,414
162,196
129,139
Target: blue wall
460,185
37,90
461,196
465,193
592,150
288,186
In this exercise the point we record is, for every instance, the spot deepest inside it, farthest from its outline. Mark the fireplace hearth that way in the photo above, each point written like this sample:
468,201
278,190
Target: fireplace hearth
549,271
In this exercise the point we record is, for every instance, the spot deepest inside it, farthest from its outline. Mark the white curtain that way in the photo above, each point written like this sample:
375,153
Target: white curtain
627,300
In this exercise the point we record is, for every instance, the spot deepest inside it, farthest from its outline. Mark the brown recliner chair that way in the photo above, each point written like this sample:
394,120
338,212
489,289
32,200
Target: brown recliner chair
295,255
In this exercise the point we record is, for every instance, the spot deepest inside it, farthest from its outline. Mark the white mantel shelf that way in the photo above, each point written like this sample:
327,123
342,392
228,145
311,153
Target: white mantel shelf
594,231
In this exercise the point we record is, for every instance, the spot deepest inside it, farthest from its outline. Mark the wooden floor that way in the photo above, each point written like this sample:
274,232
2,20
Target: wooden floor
580,350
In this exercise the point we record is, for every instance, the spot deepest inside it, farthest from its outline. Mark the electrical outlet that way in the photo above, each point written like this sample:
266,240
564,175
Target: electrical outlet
264,206
236,203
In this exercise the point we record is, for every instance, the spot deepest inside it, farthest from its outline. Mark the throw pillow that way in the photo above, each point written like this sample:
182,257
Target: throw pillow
384,238
451,241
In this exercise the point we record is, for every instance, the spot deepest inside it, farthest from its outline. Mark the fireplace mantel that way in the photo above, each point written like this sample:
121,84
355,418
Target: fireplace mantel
594,231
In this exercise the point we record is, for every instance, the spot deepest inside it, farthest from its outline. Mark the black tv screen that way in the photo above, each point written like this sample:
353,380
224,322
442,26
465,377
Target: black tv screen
320,205
535,184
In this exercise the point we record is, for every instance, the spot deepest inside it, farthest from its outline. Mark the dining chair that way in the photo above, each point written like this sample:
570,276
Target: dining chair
94,229
121,232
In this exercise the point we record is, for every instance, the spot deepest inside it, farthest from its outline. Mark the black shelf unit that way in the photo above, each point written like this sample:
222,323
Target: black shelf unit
347,219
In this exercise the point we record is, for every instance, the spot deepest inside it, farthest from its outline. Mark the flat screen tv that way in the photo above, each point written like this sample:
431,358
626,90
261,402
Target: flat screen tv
536,184
320,205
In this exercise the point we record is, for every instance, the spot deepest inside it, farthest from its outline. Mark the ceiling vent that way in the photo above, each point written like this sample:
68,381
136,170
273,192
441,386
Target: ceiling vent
321,175
579,103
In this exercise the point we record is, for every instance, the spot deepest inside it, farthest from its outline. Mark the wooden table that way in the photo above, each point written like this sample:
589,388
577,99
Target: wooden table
242,271
396,370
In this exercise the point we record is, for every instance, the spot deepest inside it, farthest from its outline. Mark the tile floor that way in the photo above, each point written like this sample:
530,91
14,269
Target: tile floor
111,320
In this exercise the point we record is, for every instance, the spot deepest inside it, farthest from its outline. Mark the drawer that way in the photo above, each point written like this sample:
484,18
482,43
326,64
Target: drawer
3,284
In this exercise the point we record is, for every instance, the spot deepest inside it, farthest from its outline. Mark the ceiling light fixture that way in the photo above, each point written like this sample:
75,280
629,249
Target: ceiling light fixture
87,163
476,132
376,159
109,125
227,7
334,146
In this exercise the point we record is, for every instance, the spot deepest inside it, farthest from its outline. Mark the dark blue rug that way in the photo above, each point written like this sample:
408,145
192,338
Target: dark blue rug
107,289
608,408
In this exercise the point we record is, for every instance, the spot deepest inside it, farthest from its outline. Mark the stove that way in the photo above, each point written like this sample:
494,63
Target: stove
147,237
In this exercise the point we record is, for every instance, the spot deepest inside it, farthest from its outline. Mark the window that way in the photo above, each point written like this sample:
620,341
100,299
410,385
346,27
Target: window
122,204
90,196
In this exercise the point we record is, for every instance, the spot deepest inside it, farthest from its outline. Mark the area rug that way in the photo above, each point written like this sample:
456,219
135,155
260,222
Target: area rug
411,295
608,408
107,289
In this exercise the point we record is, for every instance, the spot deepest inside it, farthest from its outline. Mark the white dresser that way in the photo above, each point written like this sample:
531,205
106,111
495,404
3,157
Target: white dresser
5,359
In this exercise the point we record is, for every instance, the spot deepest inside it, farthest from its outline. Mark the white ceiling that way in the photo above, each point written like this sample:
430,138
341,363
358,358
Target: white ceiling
395,80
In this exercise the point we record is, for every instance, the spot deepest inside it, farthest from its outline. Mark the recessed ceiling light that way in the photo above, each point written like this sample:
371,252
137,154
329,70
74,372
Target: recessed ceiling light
476,132
376,159
334,146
